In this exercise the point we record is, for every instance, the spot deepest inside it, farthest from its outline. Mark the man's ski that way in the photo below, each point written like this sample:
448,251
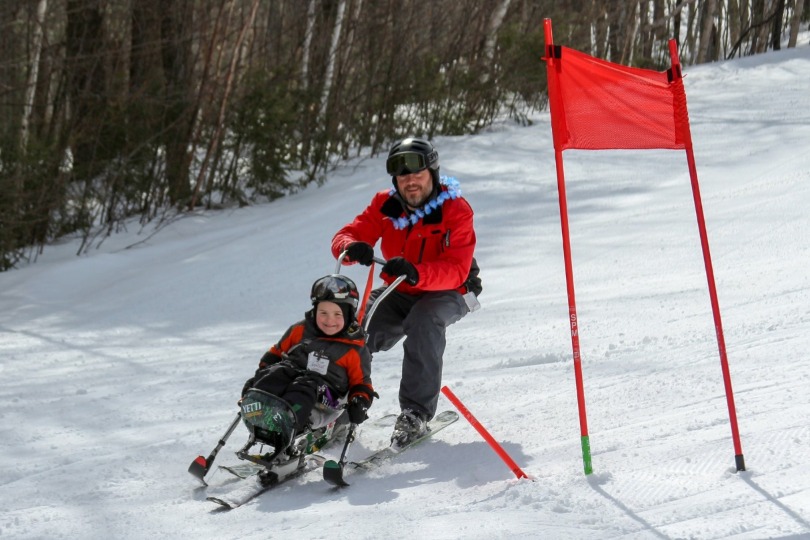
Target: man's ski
438,423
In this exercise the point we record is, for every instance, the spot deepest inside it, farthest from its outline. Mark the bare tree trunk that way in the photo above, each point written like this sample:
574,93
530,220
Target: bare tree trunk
676,31
307,43
181,108
661,20
354,21
632,21
706,31
776,35
332,59
734,22
720,36
492,37
146,76
647,38
691,32
601,30
85,87
213,145
179,188
615,30
746,17
758,17
796,22
31,85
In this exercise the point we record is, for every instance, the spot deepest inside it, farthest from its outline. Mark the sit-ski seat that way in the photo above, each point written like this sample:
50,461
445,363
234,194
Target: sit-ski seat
270,419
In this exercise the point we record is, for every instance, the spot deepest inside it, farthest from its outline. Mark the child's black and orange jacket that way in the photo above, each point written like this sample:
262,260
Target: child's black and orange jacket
349,367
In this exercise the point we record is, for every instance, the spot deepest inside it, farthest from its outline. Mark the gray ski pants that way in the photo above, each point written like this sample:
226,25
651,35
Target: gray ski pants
422,319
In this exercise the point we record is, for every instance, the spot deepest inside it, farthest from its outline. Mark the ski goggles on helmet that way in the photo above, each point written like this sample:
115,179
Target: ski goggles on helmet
406,163
335,289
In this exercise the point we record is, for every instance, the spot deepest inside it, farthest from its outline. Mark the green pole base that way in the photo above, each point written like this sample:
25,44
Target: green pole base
586,454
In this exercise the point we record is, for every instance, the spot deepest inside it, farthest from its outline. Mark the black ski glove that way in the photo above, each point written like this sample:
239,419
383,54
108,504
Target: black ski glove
268,359
260,374
360,252
358,405
398,266
248,385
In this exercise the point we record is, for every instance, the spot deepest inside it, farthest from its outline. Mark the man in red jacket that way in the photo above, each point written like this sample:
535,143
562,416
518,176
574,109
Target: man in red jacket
426,233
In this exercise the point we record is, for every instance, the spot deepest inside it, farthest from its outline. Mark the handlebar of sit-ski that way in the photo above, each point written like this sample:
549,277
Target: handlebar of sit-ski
388,290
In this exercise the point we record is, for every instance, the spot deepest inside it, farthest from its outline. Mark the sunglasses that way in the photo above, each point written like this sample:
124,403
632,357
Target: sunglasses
406,163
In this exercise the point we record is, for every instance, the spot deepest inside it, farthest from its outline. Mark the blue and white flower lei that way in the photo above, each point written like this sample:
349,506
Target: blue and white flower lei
453,192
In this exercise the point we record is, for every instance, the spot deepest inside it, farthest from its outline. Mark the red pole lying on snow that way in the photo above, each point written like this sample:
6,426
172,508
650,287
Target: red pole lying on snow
484,433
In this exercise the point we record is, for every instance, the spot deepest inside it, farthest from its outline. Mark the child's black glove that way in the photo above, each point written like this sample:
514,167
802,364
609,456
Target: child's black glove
357,408
398,266
248,385
360,252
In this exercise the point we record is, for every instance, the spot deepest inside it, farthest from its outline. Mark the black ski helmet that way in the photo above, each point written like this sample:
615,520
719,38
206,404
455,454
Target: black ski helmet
338,289
412,155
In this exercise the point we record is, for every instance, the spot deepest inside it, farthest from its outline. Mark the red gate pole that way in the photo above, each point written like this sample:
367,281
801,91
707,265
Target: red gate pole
553,64
707,260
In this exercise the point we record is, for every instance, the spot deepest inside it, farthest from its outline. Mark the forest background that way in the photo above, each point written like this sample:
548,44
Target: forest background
114,109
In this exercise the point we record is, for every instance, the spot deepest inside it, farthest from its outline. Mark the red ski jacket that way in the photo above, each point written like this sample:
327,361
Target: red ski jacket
440,244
